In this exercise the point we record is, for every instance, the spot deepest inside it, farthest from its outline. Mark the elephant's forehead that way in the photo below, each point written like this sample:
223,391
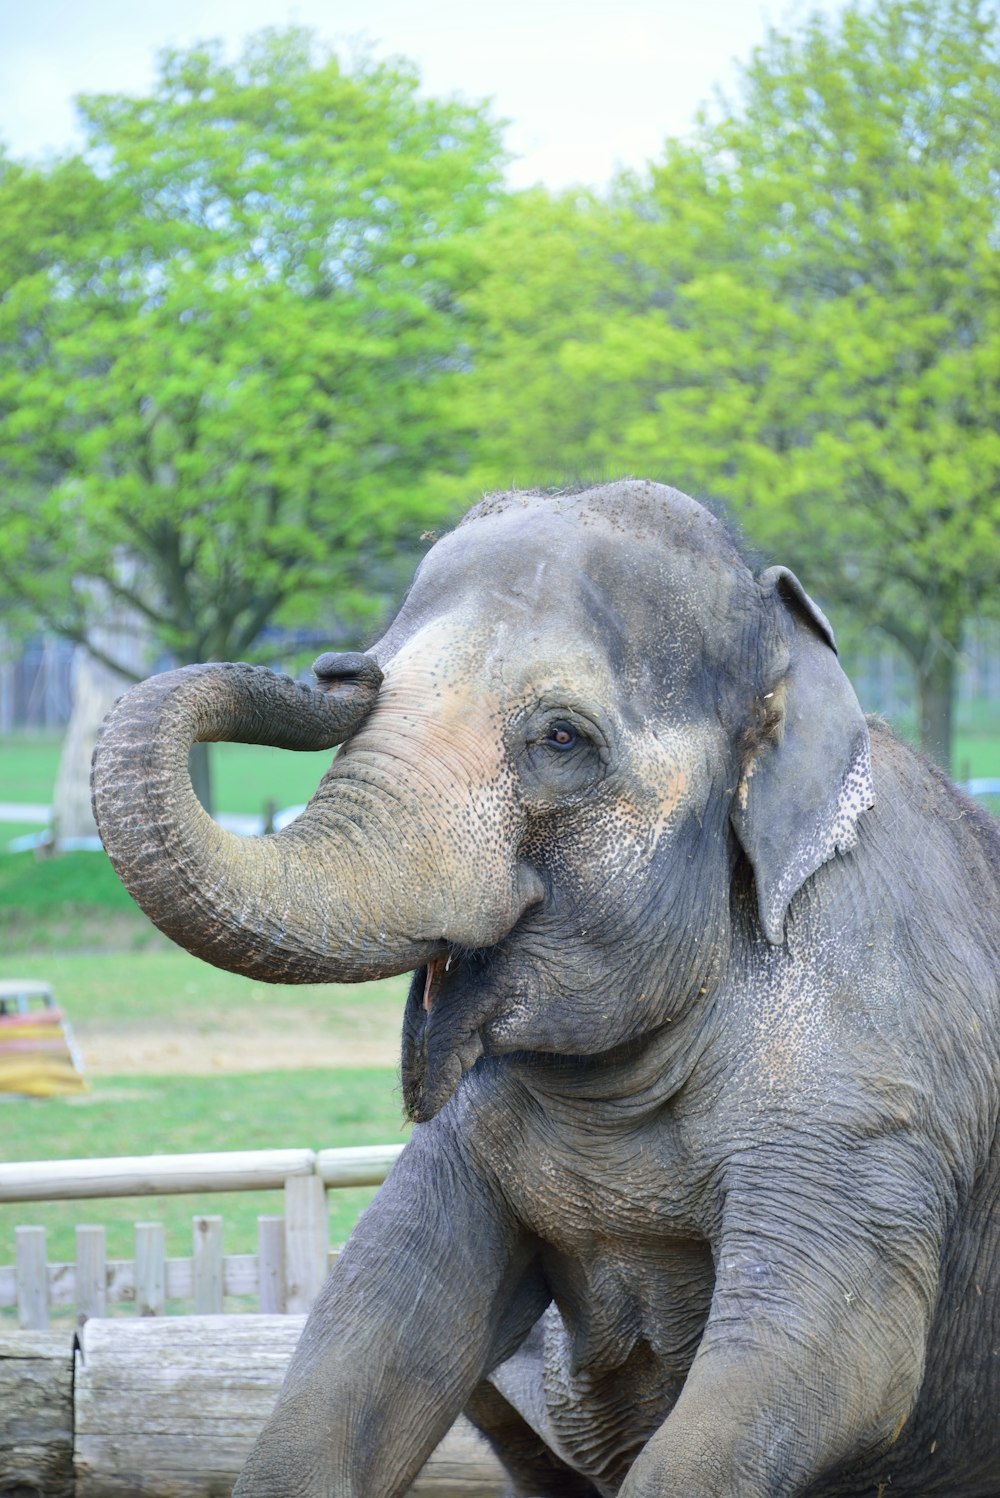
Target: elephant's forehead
474,659
522,554
565,582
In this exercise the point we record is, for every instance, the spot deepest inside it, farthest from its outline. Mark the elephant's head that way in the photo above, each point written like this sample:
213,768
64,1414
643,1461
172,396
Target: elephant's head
590,741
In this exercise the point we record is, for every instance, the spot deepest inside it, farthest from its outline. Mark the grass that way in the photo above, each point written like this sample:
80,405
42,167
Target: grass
245,776
177,1115
58,919
36,884
178,990
74,902
119,994
29,765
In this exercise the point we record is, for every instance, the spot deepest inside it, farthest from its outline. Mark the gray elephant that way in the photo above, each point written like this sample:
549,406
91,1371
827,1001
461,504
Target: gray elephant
703,1039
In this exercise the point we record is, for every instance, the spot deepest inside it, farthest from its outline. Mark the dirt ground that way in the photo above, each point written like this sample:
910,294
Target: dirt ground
293,1043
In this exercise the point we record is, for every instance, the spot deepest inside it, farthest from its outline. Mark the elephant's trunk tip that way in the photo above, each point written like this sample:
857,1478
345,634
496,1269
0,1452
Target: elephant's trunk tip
333,669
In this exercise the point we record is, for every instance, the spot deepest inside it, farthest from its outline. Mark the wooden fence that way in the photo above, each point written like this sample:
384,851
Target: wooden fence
285,1274
168,1407
138,1408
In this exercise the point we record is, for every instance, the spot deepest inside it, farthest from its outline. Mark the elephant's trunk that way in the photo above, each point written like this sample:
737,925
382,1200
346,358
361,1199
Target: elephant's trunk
327,899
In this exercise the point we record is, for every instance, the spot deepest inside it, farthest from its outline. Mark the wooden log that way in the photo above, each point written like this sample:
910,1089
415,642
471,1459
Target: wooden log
166,1175
173,1406
358,1165
36,1414
152,1175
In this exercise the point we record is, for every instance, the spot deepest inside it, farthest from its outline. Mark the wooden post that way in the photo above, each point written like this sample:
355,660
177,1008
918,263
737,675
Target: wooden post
207,1266
271,1265
307,1240
150,1268
91,1271
32,1278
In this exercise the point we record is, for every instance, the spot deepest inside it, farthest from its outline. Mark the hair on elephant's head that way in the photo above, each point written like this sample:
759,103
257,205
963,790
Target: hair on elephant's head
587,727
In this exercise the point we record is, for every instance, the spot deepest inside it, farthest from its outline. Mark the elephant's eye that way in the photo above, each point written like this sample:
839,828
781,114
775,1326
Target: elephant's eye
561,736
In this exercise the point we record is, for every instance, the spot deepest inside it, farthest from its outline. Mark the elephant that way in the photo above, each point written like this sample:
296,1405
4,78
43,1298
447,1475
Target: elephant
702,1040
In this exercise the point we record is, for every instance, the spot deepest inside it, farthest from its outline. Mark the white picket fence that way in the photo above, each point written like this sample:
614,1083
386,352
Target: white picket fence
285,1273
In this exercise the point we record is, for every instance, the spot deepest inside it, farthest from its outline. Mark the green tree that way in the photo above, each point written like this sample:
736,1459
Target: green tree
798,310
229,341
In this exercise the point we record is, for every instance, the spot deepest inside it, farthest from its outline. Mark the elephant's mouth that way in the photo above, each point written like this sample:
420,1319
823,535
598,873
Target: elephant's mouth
450,1004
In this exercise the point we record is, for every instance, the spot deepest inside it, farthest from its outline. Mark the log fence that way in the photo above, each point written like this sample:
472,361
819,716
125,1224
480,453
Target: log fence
156,1406
285,1274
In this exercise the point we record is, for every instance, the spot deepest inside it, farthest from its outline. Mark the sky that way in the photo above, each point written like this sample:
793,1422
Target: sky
586,85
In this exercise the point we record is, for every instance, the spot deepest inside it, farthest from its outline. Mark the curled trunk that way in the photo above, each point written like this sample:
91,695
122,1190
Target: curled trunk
292,908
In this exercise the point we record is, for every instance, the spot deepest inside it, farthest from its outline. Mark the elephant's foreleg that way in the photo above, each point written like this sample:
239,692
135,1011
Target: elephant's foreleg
812,1355
436,1284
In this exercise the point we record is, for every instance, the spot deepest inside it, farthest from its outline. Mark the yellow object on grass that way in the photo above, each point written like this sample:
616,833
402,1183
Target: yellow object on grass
38,1057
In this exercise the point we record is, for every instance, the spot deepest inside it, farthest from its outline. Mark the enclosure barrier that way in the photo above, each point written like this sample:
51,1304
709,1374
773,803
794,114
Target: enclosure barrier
293,1250
155,1406
167,1408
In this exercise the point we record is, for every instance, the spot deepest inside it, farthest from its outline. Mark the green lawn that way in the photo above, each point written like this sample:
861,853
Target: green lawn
177,1115
166,985
246,776
28,764
56,915
72,903
120,995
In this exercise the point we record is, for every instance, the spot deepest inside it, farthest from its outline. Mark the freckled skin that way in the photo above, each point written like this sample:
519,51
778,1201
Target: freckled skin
702,1046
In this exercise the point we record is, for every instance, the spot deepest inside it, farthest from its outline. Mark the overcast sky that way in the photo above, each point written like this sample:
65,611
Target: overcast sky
587,85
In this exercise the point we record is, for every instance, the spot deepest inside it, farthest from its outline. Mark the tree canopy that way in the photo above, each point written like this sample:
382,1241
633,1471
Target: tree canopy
229,339
797,310
279,318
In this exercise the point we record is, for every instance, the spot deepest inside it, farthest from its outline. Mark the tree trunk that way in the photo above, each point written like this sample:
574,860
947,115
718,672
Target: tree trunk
95,690
937,675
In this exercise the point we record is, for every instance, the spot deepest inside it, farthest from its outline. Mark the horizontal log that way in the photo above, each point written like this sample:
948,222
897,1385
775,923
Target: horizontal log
152,1175
366,1165
36,1414
176,1404
173,1175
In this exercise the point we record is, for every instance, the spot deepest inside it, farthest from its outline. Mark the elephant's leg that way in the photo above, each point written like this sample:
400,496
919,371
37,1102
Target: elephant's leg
436,1284
812,1356
535,1470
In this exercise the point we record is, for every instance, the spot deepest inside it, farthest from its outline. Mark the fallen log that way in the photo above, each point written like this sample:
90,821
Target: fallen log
168,1407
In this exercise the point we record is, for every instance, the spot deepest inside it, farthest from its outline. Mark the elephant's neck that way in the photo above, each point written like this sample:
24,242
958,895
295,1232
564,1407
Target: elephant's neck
634,1079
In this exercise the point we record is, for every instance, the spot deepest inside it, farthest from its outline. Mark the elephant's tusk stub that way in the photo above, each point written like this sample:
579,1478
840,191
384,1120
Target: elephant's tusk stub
433,980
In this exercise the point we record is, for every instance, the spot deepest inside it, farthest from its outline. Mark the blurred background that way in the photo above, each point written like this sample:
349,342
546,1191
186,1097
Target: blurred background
285,288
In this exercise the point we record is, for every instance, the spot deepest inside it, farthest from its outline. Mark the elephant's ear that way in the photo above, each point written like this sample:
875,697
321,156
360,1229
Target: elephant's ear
806,775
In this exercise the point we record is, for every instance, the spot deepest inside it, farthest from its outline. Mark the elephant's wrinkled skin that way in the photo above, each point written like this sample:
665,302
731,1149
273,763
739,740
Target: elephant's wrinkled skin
704,1039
